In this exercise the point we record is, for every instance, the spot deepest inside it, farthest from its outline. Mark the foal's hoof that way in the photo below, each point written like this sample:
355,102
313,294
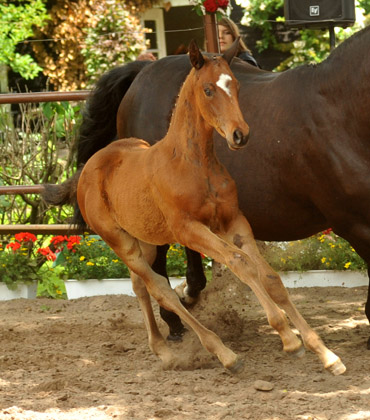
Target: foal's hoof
299,353
337,368
237,367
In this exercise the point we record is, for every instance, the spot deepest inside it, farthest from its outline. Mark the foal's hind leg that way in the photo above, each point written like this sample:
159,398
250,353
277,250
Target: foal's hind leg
241,235
156,342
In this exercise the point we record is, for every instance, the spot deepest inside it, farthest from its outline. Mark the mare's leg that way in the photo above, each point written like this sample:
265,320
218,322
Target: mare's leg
195,279
241,235
174,323
128,249
253,270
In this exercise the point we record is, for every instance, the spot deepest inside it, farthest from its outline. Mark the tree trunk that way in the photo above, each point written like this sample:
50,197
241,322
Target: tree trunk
6,120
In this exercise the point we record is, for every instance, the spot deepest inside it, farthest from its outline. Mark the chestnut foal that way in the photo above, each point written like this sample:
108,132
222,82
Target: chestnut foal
136,197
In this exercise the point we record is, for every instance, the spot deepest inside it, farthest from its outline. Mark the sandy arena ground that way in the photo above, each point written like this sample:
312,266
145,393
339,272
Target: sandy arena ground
89,359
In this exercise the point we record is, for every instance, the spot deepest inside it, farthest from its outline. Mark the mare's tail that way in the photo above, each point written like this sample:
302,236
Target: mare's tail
98,127
65,193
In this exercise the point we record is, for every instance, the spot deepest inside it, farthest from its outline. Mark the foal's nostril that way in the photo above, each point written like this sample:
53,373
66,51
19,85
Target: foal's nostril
239,138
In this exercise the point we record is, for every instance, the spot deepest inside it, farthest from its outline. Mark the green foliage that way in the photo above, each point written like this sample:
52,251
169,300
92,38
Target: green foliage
115,38
262,15
40,150
310,47
26,259
324,251
16,25
313,46
177,263
64,116
52,284
17,267
365,5
20,260
87,257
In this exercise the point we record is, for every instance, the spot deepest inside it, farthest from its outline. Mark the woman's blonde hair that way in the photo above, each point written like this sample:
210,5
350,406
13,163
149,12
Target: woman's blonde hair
234,30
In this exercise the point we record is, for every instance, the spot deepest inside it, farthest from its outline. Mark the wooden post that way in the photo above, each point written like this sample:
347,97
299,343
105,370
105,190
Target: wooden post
211,33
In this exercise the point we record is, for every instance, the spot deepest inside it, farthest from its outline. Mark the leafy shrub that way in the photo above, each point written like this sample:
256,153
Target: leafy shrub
22,260
114,37
324,251
87,257
39,148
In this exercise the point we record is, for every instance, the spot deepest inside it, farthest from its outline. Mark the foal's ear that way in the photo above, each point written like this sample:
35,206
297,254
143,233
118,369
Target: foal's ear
230,53
196,57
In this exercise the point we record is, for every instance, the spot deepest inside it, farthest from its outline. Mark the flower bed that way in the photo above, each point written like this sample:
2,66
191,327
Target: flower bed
324,251
50,262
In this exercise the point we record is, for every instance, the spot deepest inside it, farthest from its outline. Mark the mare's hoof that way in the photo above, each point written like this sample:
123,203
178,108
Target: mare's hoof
337,368
181,291
237,367
176,336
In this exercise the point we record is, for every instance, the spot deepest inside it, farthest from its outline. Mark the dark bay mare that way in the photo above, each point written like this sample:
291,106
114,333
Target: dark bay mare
307,164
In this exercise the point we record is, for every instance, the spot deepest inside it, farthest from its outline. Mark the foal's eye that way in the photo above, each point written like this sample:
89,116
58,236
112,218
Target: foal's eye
208,91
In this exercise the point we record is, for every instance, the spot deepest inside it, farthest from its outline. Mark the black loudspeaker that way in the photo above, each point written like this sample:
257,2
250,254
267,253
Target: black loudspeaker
319,13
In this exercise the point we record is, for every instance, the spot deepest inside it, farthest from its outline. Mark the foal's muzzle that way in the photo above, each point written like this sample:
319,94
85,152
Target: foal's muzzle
240,139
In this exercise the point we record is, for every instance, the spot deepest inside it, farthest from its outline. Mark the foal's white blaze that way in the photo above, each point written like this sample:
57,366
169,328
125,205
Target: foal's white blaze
222,83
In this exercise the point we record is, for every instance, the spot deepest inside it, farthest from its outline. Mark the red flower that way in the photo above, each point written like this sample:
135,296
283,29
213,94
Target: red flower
57,241
48,253
14,246
223,3
211,6
327,231
72,241
25,237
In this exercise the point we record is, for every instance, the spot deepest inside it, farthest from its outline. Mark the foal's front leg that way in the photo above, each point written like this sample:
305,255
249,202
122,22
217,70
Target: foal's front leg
241,235
253,270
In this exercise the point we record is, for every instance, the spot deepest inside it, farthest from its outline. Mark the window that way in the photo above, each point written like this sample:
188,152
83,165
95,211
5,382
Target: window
153,20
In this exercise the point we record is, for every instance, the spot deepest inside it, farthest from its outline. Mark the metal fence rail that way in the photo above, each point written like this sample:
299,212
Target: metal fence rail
51,229
43,229
35,97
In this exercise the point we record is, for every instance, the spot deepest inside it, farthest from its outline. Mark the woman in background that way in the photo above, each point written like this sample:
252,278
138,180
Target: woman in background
227,33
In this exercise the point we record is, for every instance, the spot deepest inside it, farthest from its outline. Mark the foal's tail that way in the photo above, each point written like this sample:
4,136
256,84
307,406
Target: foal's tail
98,127
65,193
